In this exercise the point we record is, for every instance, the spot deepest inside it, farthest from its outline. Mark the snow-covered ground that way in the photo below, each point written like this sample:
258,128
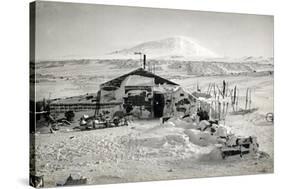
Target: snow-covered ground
147,150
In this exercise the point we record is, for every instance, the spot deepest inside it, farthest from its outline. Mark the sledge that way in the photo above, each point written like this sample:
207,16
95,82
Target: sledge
239,146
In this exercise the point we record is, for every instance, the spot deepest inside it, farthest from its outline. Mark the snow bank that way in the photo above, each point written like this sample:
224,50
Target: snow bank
200,138
176,122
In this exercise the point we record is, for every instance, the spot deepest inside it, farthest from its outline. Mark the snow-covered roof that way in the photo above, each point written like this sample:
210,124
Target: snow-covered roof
137,80
140,72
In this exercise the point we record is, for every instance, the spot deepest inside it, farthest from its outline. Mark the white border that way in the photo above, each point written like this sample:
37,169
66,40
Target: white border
14,92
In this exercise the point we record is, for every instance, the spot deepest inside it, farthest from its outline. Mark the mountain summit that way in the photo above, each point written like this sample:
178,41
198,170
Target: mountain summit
177,47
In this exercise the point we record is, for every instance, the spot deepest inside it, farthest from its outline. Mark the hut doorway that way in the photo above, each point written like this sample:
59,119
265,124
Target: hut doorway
158,105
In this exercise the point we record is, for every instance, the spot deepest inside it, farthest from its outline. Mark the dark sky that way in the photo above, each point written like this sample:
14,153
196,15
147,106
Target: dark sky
71,30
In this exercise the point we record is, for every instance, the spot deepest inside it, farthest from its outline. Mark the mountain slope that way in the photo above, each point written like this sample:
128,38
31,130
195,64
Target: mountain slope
178,47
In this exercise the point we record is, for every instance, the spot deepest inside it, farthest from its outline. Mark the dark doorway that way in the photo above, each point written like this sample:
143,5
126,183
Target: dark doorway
158,105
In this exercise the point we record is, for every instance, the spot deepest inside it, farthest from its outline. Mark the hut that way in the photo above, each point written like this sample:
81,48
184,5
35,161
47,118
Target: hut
145,95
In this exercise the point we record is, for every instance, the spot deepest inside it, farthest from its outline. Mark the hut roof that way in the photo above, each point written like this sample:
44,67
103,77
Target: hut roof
141,72
137,80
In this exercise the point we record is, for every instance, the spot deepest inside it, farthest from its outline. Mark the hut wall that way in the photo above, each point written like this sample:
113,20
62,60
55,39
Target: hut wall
61,108
178,102
107,96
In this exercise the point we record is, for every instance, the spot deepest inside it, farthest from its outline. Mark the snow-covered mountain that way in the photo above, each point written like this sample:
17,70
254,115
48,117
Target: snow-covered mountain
177,47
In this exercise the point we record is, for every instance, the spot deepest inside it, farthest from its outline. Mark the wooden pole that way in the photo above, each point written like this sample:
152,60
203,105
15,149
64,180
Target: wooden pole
246,103
223,96
232,99
250,98
227,90
237,98
219,109
223,88
215,95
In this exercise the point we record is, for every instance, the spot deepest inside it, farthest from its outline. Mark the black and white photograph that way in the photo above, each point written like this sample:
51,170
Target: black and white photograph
122,94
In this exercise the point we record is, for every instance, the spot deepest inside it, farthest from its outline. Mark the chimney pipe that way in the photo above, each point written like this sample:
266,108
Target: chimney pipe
144,61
